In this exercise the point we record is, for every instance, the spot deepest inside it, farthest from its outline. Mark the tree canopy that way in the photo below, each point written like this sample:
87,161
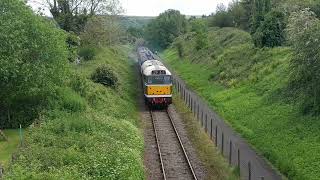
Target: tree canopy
33,60
162,31
72,15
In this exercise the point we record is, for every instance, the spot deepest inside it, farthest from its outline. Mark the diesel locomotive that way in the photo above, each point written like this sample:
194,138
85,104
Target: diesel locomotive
156,79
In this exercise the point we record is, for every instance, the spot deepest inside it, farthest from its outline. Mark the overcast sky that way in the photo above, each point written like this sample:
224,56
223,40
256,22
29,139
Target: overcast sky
155,7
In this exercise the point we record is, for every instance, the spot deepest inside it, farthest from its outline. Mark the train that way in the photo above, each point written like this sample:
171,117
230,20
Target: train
156,79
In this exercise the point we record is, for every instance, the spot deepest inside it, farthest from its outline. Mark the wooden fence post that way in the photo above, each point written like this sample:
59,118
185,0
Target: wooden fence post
1,171
3,135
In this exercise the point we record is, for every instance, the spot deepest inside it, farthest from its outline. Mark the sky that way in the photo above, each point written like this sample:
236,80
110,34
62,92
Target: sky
155,7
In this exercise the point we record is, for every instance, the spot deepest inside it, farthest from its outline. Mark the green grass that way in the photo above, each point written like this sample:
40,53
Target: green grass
216,166
91,132
246,86
7,148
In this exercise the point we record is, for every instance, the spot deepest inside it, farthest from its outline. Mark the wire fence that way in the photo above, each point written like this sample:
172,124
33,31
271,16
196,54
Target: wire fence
234,148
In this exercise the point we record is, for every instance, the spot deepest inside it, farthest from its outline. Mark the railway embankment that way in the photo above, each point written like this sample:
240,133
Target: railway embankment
246,86
92,132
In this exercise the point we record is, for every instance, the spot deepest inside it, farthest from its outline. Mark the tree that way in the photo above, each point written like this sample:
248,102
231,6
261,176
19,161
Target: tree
101,31
72,15
162,31
247,5
271,32
303,33
259,10
222,18
33,61
238,13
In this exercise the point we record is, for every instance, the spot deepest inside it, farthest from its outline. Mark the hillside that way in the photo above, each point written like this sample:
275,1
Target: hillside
91,132
134,21
248,87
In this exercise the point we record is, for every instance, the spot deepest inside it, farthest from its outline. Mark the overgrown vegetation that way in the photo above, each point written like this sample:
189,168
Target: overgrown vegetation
91,134
79,129
215,164
248,87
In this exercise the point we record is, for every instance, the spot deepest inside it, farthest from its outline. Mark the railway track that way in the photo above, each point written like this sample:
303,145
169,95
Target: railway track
175,163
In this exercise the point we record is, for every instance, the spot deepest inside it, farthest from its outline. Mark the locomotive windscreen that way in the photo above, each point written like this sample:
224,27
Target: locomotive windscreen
159,80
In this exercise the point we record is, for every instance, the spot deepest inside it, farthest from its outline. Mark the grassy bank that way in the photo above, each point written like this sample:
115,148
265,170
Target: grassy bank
215,164
91,131
247,86
7,148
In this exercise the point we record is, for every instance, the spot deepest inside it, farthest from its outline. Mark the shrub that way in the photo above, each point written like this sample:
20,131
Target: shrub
87,53
105,76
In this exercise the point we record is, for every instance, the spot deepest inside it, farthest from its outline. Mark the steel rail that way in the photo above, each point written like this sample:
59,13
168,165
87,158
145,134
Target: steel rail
158,145
182,147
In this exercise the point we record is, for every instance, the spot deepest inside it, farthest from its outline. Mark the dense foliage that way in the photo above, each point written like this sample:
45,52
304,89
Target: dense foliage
271,32
304,36
162,31
33,62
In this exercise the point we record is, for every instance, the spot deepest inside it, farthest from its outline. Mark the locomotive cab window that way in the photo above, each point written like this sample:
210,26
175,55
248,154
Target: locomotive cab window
159,80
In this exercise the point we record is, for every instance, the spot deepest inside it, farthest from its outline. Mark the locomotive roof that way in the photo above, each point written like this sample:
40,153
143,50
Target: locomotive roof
152,65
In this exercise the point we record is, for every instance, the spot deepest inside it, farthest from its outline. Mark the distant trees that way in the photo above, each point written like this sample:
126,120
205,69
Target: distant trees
165,28
265,25
304,36
221,18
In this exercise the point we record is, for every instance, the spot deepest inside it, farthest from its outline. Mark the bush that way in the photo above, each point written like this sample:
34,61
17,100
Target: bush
105,76
87,53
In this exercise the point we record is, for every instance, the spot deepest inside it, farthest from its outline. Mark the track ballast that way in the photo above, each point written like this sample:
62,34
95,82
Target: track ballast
175,163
